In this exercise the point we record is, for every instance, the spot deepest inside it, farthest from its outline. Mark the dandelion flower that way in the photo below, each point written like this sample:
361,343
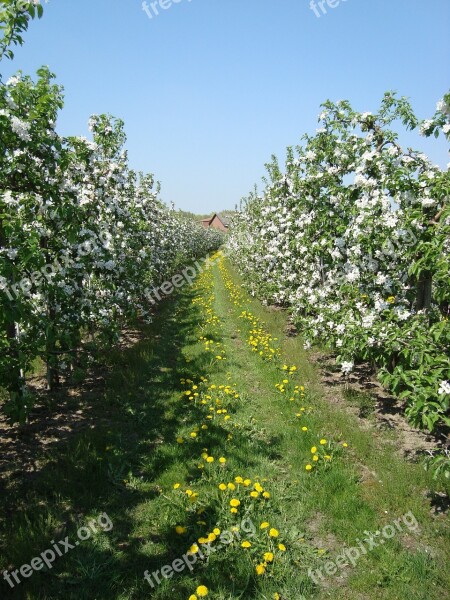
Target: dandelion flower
274,533
202,591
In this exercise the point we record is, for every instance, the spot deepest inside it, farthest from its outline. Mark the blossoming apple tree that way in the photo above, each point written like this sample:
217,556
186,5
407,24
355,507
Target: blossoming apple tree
83,237
354,236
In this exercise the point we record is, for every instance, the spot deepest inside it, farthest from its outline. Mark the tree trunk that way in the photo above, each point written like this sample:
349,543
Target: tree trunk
424,288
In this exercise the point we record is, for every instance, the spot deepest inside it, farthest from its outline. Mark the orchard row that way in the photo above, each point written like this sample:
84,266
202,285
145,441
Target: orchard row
354,236
84,239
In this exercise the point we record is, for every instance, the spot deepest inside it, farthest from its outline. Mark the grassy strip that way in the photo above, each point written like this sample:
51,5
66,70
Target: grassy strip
369,490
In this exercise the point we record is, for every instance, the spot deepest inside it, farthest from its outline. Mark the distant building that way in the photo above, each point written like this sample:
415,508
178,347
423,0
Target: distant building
217,222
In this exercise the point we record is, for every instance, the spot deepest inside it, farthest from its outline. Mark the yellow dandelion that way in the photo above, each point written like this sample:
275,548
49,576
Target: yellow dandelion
274,533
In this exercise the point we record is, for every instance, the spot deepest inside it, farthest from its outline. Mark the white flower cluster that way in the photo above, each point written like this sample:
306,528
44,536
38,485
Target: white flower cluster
361,254
87,237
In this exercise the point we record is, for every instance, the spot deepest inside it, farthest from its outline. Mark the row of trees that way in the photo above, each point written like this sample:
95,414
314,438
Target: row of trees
354,235
83,238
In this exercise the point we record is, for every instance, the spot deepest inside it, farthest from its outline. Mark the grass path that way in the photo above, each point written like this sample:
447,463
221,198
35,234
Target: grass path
213,437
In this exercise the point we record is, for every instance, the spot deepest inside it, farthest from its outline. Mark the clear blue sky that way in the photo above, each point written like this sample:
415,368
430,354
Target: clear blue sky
209,89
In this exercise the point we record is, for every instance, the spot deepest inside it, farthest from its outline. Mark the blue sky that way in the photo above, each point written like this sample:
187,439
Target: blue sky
209,89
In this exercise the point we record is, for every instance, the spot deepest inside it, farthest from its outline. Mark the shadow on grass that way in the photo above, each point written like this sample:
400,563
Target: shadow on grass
110,466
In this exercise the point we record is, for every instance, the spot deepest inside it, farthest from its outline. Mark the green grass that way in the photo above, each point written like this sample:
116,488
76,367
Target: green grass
127,464
364,401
